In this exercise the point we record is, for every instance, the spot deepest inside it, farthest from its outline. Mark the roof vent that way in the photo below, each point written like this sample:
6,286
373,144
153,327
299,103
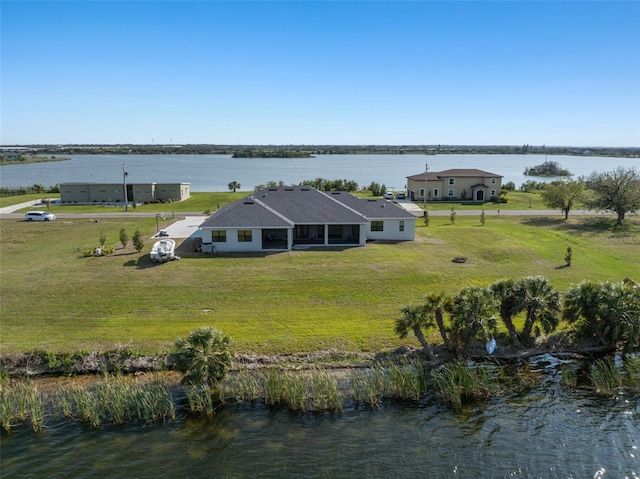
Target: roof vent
372,201
288,189
305,189
273,189
335,192
249,202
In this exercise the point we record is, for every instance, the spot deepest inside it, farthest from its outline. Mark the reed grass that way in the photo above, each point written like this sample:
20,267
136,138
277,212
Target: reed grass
605,377
632,371
315,390
459,382
14,400
569,376
201,400
407,381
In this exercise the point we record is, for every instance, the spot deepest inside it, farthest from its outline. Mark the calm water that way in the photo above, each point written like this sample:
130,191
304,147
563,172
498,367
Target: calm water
545,433
214,172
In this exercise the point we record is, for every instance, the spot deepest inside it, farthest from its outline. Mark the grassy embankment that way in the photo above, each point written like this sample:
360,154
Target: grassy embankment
54,299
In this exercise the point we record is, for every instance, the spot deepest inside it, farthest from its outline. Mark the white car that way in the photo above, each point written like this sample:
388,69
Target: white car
39,216
388,196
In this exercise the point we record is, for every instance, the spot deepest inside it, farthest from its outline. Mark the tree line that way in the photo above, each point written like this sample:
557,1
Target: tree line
606,313
617,191
432,149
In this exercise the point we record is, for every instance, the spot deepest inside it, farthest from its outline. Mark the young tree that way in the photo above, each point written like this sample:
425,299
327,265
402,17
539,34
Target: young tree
425,218
234,185
617,191
204,357
103,238
414,319
138,242
563,194
482,217
568,257
124,237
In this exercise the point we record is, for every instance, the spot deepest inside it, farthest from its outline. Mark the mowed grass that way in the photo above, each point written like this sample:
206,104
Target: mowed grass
200,202
53,298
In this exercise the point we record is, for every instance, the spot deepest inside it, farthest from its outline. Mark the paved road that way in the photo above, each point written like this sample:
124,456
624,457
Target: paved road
188,226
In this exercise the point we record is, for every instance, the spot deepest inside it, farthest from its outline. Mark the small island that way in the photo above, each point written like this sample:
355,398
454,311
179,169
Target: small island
548,168
272,154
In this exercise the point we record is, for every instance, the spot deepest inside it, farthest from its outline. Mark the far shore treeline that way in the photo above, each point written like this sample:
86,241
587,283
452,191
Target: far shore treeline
289,151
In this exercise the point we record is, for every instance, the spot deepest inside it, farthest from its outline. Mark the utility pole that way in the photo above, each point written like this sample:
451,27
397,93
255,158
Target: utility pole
426,169
124,183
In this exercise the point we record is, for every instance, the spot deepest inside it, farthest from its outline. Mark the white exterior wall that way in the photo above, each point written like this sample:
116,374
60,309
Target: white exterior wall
391,230
232,245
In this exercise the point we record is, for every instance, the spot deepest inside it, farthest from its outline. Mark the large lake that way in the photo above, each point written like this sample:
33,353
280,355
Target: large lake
215,172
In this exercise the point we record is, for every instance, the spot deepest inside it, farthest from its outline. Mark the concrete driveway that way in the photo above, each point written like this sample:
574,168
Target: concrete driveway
186,228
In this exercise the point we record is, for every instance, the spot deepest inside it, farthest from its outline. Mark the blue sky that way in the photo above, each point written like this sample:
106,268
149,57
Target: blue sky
485,73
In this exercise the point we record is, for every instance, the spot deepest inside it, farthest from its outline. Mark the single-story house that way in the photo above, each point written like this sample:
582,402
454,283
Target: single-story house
454,184
114,192
286,218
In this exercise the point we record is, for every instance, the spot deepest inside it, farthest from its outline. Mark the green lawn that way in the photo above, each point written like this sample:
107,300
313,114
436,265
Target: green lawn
52,298
200,202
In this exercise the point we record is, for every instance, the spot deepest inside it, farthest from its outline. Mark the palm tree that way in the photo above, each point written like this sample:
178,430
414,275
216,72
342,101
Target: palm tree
610,311
435,305
413,319
582,301
472,314
204,357
502,290
234,185
540,302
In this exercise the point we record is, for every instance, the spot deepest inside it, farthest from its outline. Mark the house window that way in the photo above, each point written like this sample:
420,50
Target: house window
244,236
493,181
422,192
452,181
436,192
401,225
219,236
377,226
493,192
451,193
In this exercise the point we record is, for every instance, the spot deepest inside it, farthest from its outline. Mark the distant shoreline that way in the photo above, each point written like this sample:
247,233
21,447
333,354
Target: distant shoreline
21,160
305,151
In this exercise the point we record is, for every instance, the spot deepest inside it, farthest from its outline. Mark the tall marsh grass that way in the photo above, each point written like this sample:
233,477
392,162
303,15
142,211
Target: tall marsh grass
408,381
459,381
315,390
606,377
19,401
632,370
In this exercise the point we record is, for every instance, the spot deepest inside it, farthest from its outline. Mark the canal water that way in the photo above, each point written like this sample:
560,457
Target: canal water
543,431
215,172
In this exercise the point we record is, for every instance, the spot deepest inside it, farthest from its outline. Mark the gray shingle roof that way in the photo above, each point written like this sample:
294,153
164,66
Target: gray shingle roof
306,205
246,213
297,205
373,209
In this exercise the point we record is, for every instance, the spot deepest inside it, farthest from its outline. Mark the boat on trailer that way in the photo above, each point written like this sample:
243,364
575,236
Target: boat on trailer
163,250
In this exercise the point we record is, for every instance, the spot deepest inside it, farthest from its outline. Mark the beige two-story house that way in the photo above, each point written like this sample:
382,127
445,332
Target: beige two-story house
454,184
